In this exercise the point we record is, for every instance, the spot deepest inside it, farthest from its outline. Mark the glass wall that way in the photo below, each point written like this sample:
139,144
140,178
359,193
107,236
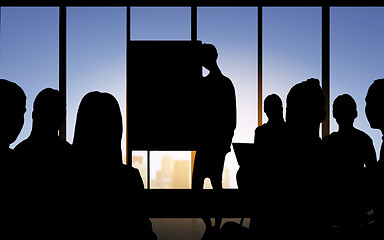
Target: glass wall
29,48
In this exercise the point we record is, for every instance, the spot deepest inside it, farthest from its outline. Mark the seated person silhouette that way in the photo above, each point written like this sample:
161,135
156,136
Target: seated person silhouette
374,110
299,195
12,107
270,137
44,155
269,132
269,144
44,160
291,207
350,155
103,180
257,176
219,113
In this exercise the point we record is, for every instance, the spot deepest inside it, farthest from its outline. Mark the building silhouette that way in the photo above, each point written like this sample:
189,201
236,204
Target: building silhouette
173,174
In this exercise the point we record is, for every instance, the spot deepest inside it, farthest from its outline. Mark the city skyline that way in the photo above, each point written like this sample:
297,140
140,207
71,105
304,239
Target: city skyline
172,173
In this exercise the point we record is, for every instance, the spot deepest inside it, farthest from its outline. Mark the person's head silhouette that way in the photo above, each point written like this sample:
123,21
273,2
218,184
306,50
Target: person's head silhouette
12,109
99,128
273,107
374,108
209,56
344,110
49,110
305,107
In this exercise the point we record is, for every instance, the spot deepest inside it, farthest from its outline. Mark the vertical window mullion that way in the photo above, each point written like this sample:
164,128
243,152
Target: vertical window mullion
260,65
325,19
128,40
63,62
193,22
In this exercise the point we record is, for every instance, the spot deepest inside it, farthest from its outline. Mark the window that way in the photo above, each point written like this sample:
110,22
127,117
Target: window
160,23
164,169
357,59
96,53
170,169
29,53
291,49
233,30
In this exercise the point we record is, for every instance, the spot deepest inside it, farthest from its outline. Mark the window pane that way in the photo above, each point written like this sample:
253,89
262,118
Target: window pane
356,59
160,23
170,170
96,48
291,49
233,30
29,52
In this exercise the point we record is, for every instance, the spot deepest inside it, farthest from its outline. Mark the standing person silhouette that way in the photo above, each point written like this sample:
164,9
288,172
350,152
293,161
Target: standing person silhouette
219,113
351,161
374,110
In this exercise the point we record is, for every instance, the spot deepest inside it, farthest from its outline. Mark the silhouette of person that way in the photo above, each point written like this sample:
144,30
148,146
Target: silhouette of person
350,154
374,112
44,159
103,180
269,132
219,113
43,150
290,192
256,178
269,143
299,197
12,107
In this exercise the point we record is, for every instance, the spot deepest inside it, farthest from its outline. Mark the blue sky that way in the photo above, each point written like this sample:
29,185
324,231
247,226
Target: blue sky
291,52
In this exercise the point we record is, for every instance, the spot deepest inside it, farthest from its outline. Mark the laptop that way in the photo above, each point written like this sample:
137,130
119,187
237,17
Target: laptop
245,152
